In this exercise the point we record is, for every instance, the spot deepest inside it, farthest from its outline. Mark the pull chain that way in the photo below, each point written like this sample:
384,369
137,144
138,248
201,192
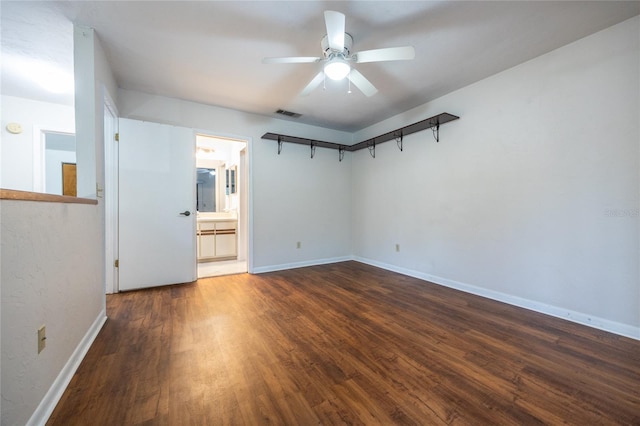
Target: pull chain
324,80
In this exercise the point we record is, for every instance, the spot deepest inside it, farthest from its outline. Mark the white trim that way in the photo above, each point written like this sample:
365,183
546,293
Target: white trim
53,395
247,177
272,268
39,155
604,324
194,208
38,160
625,330
110,186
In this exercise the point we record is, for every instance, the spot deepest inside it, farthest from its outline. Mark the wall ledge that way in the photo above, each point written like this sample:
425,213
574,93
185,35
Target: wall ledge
12,194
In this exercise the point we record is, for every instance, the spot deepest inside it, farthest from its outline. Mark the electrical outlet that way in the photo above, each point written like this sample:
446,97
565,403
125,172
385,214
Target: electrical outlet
42,338
397,247
298,245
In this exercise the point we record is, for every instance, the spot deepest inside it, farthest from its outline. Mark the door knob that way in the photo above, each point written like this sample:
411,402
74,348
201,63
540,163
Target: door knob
186,213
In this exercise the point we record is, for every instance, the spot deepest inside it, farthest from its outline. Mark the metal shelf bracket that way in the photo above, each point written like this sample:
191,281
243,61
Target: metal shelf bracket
372,148
399,141
436,131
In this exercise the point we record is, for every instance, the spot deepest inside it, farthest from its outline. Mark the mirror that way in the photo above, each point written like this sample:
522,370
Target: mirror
223,156
210,183
206,193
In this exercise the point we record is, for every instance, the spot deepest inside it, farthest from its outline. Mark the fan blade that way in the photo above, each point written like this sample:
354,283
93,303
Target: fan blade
335,29
313,84
362,83
291,60
388,54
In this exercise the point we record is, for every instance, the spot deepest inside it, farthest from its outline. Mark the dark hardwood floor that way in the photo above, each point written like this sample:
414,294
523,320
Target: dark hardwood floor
344,344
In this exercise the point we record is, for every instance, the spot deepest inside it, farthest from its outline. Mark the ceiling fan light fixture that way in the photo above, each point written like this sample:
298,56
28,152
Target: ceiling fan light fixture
337,69
338,58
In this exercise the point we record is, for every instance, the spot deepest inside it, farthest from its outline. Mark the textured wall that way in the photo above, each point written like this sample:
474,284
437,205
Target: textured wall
51,275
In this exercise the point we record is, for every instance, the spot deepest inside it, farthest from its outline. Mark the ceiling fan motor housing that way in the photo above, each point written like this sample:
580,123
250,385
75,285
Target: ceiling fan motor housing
348,43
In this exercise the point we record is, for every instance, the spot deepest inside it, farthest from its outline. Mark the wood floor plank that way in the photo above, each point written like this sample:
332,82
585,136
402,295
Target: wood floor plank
344,343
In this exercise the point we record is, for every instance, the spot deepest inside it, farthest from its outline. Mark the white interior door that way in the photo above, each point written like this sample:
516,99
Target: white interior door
157,205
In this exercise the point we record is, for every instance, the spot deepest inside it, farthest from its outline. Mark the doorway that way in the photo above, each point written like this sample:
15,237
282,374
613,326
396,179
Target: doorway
54,153
222,211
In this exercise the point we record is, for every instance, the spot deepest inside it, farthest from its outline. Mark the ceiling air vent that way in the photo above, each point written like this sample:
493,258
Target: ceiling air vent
288,113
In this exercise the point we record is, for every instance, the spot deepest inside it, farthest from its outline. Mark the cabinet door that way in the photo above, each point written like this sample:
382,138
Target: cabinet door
207,246
226,245
206,240
226,241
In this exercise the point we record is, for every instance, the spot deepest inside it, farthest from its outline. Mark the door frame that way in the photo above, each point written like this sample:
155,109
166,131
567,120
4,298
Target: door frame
111,195
245,215
39,155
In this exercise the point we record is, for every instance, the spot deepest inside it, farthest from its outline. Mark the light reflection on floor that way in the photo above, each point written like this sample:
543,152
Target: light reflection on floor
225,267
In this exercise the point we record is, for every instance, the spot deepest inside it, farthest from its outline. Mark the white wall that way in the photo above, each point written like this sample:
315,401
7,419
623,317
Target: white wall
16,151
52,258
292,197
531,197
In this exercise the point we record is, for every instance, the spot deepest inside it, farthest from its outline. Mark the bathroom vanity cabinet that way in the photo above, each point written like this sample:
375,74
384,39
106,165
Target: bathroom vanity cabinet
217,238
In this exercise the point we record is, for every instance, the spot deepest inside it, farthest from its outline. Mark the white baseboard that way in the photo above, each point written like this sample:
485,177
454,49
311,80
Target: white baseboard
625,330
284,266
53,395
621,329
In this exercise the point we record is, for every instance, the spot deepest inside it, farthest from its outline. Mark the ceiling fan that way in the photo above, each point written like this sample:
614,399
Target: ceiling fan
338,59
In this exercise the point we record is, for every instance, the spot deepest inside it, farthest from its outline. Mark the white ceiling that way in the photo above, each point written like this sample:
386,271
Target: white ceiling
210,51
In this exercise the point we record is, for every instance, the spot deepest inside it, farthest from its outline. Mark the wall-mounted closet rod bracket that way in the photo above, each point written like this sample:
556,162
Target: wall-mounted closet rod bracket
341,152
436,131
313,148
372,147
279,144
399,141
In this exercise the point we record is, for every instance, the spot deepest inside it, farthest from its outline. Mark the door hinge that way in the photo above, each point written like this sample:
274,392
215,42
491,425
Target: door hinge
116,264
117,137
